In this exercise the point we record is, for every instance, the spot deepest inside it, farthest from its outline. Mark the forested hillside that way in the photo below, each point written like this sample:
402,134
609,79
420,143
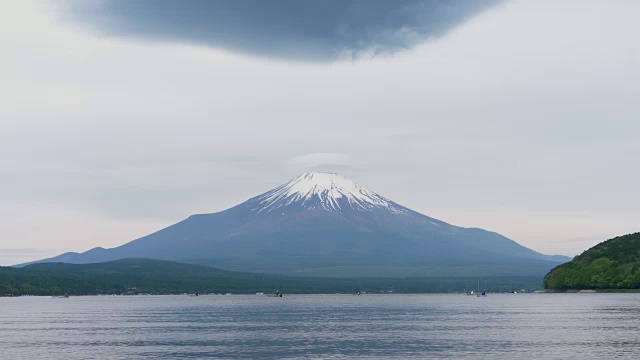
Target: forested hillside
613,264
167,277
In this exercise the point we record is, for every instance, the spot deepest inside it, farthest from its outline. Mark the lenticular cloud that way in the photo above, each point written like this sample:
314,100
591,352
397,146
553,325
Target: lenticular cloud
304,30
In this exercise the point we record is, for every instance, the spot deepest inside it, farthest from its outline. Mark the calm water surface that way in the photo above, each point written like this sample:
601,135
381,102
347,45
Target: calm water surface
539,326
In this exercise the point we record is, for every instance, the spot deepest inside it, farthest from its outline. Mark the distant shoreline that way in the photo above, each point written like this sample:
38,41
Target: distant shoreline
588,291
630,291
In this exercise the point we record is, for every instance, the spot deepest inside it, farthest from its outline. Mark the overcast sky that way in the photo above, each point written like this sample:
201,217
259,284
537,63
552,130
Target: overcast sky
116,120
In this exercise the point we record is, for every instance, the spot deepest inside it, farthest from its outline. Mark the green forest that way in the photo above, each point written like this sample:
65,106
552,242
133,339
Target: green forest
611,265
165,277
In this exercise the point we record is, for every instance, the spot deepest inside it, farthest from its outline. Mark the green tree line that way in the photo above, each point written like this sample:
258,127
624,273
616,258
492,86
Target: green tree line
166,277
611,265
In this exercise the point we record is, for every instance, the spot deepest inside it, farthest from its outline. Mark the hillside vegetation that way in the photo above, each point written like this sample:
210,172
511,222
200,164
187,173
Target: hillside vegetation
612,265
167,277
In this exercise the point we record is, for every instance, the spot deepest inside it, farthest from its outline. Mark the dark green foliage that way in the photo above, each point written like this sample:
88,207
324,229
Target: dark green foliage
166,277
613,264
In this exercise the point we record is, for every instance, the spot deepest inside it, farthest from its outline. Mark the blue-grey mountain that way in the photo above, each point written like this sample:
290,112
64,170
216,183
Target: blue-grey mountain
326,224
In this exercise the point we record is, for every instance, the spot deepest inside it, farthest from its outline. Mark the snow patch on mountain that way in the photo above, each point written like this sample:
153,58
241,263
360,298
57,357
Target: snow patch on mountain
330,191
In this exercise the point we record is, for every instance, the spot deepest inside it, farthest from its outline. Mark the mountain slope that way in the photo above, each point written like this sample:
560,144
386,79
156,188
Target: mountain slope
613,264
326,224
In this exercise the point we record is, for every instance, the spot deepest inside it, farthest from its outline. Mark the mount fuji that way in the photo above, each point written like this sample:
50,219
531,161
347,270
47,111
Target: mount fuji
325,224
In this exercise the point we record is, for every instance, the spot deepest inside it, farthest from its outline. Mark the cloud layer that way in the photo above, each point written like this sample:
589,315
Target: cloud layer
306,30
503,124
320,161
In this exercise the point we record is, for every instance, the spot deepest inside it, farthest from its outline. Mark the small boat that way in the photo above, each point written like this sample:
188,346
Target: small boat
483,293
277,294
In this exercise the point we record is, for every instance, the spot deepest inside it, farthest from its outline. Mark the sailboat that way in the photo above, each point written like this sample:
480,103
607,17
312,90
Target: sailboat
484,293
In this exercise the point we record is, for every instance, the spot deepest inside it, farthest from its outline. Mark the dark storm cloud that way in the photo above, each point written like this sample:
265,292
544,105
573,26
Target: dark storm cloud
309,30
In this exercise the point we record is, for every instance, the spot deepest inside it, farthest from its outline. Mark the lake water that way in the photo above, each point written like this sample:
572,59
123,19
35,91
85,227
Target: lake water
540,326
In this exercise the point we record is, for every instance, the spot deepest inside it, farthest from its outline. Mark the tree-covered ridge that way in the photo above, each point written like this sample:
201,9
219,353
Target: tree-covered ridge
168,277
128,275
613,264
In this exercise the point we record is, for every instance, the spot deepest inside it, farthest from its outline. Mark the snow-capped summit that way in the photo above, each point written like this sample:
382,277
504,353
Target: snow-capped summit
322,223
328,191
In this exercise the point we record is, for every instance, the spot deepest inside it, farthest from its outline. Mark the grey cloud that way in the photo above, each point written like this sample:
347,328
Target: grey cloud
590,238
21,251
535,139
317,159
306,30
10,256
26,251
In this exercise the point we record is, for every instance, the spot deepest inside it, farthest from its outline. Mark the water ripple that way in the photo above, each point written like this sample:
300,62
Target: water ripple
322,326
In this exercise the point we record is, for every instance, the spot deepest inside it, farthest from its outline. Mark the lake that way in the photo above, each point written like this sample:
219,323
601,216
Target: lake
321,326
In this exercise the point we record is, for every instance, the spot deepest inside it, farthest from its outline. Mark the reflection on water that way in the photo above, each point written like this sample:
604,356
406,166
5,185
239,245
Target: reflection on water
321,326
